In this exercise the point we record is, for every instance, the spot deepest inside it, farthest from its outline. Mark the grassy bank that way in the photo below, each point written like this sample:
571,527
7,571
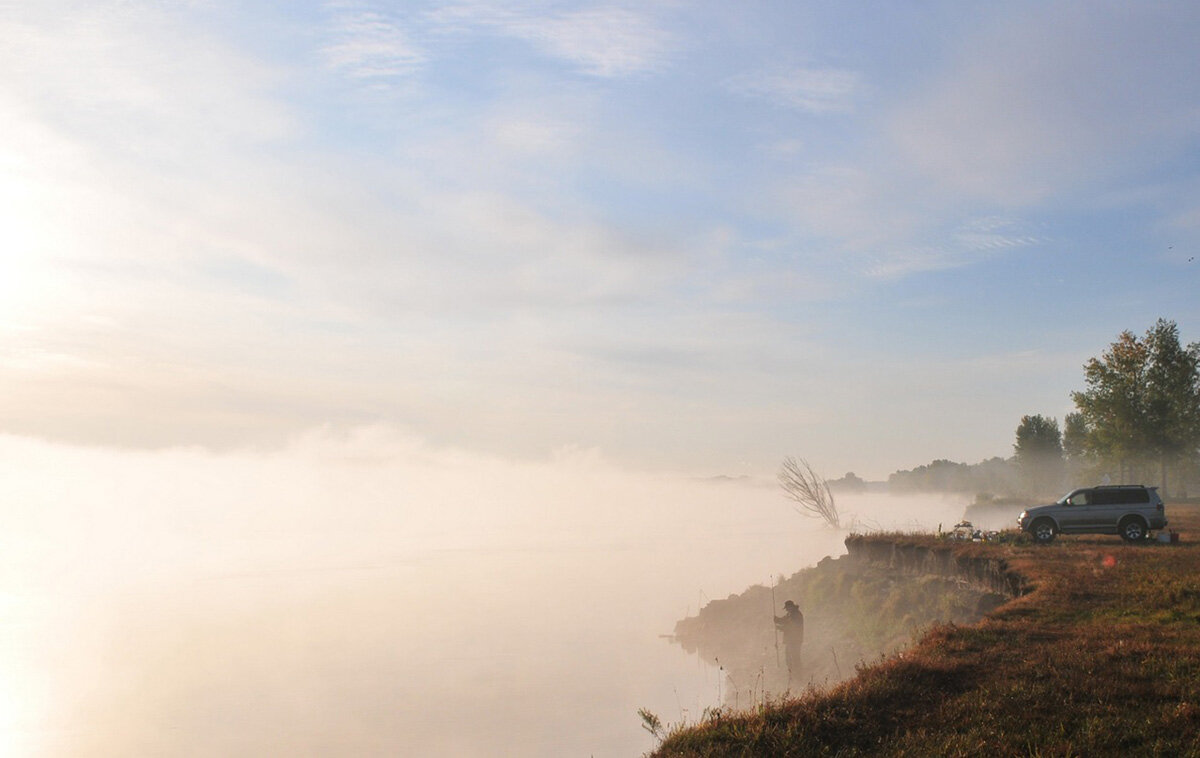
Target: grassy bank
1101,658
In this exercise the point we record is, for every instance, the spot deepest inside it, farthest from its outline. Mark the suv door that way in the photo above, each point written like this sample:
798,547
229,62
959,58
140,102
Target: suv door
1076,513
1108,506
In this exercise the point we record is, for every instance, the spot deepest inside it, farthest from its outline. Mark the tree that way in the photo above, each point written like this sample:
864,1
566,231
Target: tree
1079,457
1172,396
994,476
810,492
1142,402
1039,452
851,482
1113,405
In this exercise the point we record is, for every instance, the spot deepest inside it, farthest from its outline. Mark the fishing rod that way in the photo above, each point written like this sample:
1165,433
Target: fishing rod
774,628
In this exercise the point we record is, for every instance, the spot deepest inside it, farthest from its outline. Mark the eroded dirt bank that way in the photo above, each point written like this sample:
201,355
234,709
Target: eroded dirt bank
859,607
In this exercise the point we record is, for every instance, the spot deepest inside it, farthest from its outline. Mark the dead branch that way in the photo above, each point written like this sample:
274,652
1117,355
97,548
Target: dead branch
809,491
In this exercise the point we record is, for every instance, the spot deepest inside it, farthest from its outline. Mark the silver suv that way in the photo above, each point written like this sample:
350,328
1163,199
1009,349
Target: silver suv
1130,510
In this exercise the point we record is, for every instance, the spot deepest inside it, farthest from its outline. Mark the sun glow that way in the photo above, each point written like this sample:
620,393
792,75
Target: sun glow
24,237
16,737
21,690
42,178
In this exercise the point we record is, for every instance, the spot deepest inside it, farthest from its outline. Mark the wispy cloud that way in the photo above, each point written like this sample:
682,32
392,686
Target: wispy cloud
993,233
372,46
816,90
880,225
605,42
138,78
971,241
602,42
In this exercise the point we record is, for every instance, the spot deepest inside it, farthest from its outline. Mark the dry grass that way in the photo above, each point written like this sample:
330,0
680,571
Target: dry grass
1101,658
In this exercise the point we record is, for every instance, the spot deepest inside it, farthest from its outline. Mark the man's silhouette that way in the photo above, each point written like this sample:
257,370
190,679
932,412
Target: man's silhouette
792,626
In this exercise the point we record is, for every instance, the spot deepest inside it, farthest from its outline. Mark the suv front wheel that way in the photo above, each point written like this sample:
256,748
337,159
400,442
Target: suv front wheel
1132,529
1043,531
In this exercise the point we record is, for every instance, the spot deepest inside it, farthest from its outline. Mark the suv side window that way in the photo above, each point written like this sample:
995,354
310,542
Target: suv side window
1124,496
1080,498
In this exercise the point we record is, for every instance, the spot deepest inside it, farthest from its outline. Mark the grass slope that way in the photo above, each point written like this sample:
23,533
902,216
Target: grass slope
1101,658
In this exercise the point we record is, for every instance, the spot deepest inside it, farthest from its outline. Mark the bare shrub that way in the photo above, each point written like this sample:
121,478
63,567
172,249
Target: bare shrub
809,491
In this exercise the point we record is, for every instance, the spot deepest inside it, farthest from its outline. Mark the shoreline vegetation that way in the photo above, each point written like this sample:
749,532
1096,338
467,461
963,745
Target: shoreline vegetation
857,610
1096,653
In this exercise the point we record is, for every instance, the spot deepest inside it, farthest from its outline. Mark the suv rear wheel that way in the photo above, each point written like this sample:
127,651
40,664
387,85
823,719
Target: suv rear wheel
1043,531
1132,529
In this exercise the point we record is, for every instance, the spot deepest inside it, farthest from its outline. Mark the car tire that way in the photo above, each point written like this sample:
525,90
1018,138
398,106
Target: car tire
1043,531
1133,529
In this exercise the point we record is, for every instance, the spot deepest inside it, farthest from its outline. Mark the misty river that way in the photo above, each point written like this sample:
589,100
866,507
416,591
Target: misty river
368,594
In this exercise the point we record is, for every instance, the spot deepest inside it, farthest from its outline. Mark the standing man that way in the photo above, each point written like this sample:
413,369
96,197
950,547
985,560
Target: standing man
792,626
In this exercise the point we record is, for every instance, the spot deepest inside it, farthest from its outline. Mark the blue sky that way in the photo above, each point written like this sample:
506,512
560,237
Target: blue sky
698,236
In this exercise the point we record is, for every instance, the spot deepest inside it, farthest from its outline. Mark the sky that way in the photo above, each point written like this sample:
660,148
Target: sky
694,236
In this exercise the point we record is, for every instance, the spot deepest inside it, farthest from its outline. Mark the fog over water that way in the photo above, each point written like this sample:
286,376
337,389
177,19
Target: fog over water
368,594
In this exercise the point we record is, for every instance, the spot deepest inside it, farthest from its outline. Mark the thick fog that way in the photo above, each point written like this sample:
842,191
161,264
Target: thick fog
368,594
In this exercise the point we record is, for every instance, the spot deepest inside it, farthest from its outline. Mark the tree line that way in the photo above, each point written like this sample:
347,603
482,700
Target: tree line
1137,420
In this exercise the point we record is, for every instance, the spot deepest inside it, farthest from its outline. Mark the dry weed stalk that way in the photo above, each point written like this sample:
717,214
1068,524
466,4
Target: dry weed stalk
809,491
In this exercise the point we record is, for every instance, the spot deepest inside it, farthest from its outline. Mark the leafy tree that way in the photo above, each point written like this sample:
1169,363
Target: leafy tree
1141,402
1172,396
1039,452
1079,458
1113,405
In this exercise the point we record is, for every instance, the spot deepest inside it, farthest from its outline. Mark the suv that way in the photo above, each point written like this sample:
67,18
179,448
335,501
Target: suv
1130,510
